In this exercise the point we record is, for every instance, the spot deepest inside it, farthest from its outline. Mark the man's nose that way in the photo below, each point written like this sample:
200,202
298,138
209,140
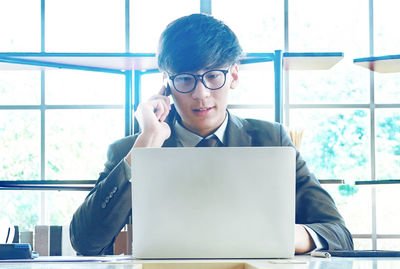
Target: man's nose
200,92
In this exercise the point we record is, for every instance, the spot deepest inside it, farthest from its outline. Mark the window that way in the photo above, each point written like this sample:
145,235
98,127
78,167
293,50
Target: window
349,116
57,124
45,115
144,32
85,26
347,134
23,25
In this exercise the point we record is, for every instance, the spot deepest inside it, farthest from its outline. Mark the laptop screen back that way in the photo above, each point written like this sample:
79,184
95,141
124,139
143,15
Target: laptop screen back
222,202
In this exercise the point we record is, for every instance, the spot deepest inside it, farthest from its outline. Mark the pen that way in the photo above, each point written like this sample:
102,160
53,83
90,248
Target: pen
321,254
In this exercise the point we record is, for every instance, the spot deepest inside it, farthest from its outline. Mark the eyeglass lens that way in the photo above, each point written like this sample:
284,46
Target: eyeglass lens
213,79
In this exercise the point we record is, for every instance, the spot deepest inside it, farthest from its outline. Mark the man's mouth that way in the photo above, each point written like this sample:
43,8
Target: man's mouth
203,109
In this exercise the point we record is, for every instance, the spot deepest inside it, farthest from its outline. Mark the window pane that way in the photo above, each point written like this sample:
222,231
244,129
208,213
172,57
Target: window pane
258,25
67,202
20,144
387,88
20,25
388,143
363,244
21,208
151,85
77,141
388,244
19,88
386,21
387,214
143,15
256,85
335,141
315,26
80,87
85,26
354,205
342,84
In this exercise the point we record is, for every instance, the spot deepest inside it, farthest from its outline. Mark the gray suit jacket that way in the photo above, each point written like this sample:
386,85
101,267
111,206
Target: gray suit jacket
107,208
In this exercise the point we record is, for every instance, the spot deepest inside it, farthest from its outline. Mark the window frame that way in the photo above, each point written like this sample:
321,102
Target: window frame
133,93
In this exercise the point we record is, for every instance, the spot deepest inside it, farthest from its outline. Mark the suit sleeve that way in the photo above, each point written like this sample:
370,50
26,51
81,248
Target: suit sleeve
315,208
106,209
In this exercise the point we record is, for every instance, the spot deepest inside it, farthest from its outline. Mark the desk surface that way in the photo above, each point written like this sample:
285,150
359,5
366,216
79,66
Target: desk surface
297,262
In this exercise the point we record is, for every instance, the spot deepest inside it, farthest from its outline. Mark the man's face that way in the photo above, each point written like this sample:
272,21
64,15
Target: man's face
204,110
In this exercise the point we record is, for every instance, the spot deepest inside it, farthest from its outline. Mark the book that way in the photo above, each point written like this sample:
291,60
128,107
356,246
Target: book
42,240
55,240
26,237
16,234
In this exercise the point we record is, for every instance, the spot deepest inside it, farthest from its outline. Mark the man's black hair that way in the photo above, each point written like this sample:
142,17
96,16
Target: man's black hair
196,42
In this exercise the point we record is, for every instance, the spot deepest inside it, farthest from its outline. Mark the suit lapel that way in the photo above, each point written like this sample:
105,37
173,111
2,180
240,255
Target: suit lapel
170,142
236,134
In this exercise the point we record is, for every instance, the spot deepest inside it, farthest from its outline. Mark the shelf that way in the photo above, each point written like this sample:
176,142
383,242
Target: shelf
381,64
378,182
331,181
310,60
117,62
106,62
66,185
87,185
252,58
103,62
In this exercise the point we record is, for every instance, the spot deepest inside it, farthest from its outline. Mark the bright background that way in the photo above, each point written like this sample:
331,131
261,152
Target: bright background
350,117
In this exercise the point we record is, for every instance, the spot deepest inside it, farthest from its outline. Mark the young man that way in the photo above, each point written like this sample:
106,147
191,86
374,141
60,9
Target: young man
198,56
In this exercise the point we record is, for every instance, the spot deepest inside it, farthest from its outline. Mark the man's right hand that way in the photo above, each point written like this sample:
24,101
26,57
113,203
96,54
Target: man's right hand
151,116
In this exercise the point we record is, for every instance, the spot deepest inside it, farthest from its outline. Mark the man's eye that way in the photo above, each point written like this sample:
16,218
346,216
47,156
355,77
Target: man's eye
184,79
213,75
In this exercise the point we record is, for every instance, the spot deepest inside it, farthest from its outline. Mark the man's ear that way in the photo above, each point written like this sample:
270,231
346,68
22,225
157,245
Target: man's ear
235,76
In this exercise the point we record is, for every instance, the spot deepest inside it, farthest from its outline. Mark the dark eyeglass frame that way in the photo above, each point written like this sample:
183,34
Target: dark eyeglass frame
199,78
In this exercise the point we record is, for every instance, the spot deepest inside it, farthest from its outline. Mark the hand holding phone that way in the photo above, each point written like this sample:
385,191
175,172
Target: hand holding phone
151,117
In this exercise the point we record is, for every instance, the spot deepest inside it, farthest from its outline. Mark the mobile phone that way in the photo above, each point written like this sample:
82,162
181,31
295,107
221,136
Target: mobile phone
167,90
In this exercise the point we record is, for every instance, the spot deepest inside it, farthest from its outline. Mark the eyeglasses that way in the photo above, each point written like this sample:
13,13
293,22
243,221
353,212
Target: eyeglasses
186,82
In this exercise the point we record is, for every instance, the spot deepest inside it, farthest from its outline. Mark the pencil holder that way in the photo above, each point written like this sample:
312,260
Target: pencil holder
296,135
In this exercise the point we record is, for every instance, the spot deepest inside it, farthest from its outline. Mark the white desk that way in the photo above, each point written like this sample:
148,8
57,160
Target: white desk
297,262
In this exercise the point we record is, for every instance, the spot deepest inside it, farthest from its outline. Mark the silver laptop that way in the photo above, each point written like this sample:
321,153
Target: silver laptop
221,202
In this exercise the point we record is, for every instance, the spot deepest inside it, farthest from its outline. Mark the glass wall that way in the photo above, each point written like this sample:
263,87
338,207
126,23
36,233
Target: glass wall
57,125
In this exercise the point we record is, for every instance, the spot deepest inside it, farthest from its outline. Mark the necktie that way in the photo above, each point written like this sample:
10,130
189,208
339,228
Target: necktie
209,142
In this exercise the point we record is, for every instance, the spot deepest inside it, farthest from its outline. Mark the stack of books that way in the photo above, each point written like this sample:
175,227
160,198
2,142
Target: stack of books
47,240
53,240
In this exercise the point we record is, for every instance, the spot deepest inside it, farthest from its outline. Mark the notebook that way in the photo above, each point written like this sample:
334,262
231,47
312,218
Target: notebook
221,202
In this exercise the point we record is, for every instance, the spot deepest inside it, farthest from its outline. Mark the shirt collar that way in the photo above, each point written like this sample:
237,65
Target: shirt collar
186,138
